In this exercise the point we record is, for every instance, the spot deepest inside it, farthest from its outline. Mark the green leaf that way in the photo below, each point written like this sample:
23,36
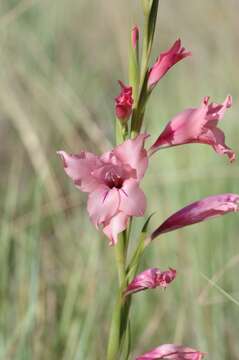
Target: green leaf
135,260
152,23
146,224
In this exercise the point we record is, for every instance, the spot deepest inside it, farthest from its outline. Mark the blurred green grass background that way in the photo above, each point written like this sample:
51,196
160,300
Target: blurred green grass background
59,64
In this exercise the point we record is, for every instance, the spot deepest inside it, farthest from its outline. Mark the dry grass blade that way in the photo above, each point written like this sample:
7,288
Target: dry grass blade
12,108
203,297
69,100
222,291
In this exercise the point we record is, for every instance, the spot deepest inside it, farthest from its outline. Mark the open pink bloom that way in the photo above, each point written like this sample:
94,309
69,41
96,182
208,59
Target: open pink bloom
172,352
198,211
135,36
150,279
112,181
165,61
124,102
197,125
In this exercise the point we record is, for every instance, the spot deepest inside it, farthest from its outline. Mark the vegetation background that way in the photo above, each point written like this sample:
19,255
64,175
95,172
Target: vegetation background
60,61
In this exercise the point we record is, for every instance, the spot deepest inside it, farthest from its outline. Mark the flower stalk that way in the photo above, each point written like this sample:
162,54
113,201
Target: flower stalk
120,257
138,82
112,181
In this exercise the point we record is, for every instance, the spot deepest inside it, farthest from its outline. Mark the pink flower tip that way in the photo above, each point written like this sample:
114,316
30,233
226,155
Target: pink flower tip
124,102
150,279
165,61
172,352
198,211
135,36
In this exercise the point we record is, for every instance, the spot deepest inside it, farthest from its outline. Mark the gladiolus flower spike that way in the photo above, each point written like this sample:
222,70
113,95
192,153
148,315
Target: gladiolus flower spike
112,180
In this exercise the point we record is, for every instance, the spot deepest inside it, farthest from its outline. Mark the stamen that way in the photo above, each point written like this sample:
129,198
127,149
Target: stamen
124,192
106,193
113,180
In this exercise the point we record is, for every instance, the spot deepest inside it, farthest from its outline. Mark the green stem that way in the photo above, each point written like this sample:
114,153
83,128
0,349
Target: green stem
114,338
119,340
128,232
120,257
121,131
135,260
120,332
121,310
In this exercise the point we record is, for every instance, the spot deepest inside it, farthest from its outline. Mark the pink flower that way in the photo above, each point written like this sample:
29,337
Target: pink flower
112,181
172,352
198,211
165,61
135,36
150,279
197,125
124,102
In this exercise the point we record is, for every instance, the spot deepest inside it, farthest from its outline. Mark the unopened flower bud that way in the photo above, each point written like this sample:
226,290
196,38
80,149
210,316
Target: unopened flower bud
135,36
124,102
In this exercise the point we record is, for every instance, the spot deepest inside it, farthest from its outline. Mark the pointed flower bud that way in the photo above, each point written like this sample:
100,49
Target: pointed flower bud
134,61
150,279
198,211
172,352
197,125
124,102
135,36
165,61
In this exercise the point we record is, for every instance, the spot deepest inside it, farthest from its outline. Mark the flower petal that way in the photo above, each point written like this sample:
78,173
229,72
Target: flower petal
132,152
216,111
197,125
182,129
216,138
132,199
172,352
114,226
198,211
103,204
79,168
